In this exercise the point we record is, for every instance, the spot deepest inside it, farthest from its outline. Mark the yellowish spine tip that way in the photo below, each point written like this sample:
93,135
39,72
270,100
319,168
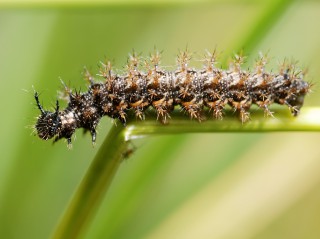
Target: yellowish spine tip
183,60
210,60
237,61
155,58
261,62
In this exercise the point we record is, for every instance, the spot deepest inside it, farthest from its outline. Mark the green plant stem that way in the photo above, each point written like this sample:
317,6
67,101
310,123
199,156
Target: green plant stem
107,161
93,186
308,120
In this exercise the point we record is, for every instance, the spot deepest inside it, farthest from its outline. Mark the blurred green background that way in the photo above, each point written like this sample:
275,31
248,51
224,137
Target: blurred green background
231,185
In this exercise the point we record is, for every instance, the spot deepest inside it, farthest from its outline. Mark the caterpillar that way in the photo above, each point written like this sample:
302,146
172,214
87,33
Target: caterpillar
145,84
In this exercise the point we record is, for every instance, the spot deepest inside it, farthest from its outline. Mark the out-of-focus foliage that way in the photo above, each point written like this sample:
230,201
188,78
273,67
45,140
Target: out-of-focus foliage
186,186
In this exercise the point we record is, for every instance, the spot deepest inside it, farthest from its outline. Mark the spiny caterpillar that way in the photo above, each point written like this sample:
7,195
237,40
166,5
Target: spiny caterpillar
191,89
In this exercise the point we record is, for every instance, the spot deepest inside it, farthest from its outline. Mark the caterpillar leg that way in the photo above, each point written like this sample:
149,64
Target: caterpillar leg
162,114
193,109
93,135
217,108
242,108
122,117
265,106
267,112
244,115
295,110
163,108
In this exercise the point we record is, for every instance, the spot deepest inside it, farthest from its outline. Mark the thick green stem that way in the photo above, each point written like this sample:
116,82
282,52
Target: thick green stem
93,186
308,120
105,165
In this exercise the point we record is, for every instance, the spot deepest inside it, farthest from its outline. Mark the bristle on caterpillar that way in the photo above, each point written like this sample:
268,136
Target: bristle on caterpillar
145,84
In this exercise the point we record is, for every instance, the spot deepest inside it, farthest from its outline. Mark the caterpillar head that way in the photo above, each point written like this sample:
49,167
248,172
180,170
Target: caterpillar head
48,123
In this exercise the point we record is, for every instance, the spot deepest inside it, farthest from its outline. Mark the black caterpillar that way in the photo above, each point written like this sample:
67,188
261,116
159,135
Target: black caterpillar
191,89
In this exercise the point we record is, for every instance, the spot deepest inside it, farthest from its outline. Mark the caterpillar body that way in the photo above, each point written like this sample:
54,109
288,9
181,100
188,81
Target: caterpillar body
191,89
